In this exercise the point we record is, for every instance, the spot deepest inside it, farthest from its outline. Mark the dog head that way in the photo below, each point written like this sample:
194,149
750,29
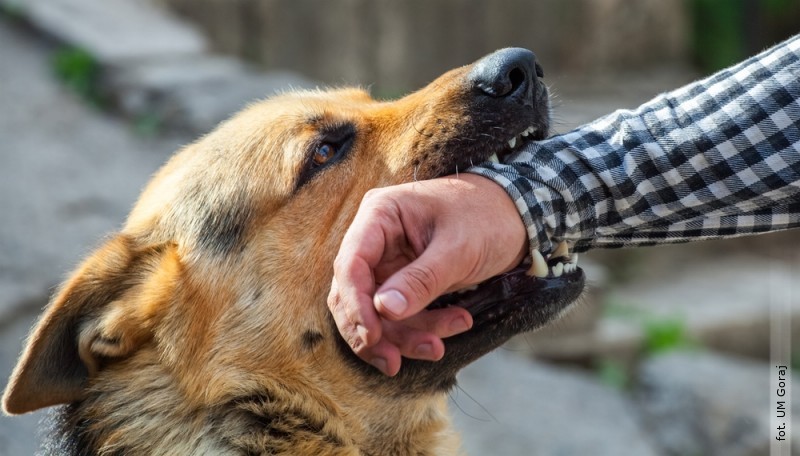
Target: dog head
213,294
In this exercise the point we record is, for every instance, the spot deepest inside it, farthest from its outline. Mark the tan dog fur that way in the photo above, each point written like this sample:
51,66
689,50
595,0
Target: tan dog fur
202,328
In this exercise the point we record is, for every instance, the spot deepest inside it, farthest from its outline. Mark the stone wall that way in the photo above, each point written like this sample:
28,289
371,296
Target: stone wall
401,44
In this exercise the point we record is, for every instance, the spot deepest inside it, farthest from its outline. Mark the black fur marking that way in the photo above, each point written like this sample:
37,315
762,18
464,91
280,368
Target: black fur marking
223,226
311,339
65,434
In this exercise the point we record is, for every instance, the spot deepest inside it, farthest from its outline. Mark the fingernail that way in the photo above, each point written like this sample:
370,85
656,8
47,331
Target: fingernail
459,325
423,349
379,363
362,333
393,301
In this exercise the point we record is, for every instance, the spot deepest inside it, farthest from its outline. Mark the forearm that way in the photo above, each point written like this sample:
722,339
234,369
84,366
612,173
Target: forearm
717,158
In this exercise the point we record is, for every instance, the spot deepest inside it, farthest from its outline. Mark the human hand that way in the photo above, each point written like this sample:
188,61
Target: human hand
409,244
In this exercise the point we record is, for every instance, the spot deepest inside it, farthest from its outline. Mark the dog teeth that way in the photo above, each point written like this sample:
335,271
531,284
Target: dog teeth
512,143
494,158
572,265
567,263
538,265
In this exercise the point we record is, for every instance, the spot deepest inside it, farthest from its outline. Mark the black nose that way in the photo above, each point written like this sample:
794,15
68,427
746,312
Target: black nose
509,72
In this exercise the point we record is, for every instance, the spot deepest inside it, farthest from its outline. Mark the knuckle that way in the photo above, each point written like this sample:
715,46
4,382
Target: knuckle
334,301
355,344
380,203
373,194
422,281
342,262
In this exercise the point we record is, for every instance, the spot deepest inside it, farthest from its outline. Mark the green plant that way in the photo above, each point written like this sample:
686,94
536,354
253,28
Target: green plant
662,335
776,7
79,71
717,32
612,373
796,359
12,11
148,125
726,31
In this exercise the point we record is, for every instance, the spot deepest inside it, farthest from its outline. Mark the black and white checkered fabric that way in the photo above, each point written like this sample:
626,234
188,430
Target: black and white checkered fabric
717,158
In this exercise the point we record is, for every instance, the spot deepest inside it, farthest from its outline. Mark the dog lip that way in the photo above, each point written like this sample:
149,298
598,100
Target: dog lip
506,289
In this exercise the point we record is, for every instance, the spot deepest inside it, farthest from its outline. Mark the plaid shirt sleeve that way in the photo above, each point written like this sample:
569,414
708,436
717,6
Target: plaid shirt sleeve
717,158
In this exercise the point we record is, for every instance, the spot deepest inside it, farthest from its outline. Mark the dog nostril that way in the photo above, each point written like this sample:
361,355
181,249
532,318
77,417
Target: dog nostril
517,77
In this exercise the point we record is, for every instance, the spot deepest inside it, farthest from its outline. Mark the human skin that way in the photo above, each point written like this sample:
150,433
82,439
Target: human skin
409,244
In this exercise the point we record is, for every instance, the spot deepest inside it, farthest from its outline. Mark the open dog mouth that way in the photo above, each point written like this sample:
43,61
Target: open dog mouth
517,142
538,281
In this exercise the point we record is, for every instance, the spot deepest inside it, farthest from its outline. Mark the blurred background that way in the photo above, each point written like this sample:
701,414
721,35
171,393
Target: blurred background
667,355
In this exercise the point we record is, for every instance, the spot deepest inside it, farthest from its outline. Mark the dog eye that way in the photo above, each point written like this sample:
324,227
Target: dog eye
324,153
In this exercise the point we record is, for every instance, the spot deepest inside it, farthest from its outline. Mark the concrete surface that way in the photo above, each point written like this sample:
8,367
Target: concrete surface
113,30
154,67
507,407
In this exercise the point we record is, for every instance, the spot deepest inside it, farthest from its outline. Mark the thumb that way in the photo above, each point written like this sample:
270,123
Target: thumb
416,285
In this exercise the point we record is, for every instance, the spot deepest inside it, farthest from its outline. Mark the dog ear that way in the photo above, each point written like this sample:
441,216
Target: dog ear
104,312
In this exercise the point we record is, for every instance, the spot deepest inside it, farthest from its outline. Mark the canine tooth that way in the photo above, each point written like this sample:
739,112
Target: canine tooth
538,265
569,267
512,142
558,269
562,250
574,259
494,158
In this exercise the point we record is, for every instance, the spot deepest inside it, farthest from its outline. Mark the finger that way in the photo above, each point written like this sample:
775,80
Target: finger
360,253
413,343
442,323
352,329
420,336
384,356
415,286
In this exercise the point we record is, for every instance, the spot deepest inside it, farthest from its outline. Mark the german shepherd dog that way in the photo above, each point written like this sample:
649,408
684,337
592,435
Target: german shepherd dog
201,328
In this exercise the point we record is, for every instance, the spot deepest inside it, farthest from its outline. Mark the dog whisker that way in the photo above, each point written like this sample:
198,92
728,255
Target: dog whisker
485,410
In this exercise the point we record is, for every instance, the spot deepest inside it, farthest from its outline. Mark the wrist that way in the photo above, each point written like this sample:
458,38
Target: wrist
496,208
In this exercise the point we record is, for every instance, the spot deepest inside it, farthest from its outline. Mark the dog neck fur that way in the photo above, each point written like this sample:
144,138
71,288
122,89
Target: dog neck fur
148,415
